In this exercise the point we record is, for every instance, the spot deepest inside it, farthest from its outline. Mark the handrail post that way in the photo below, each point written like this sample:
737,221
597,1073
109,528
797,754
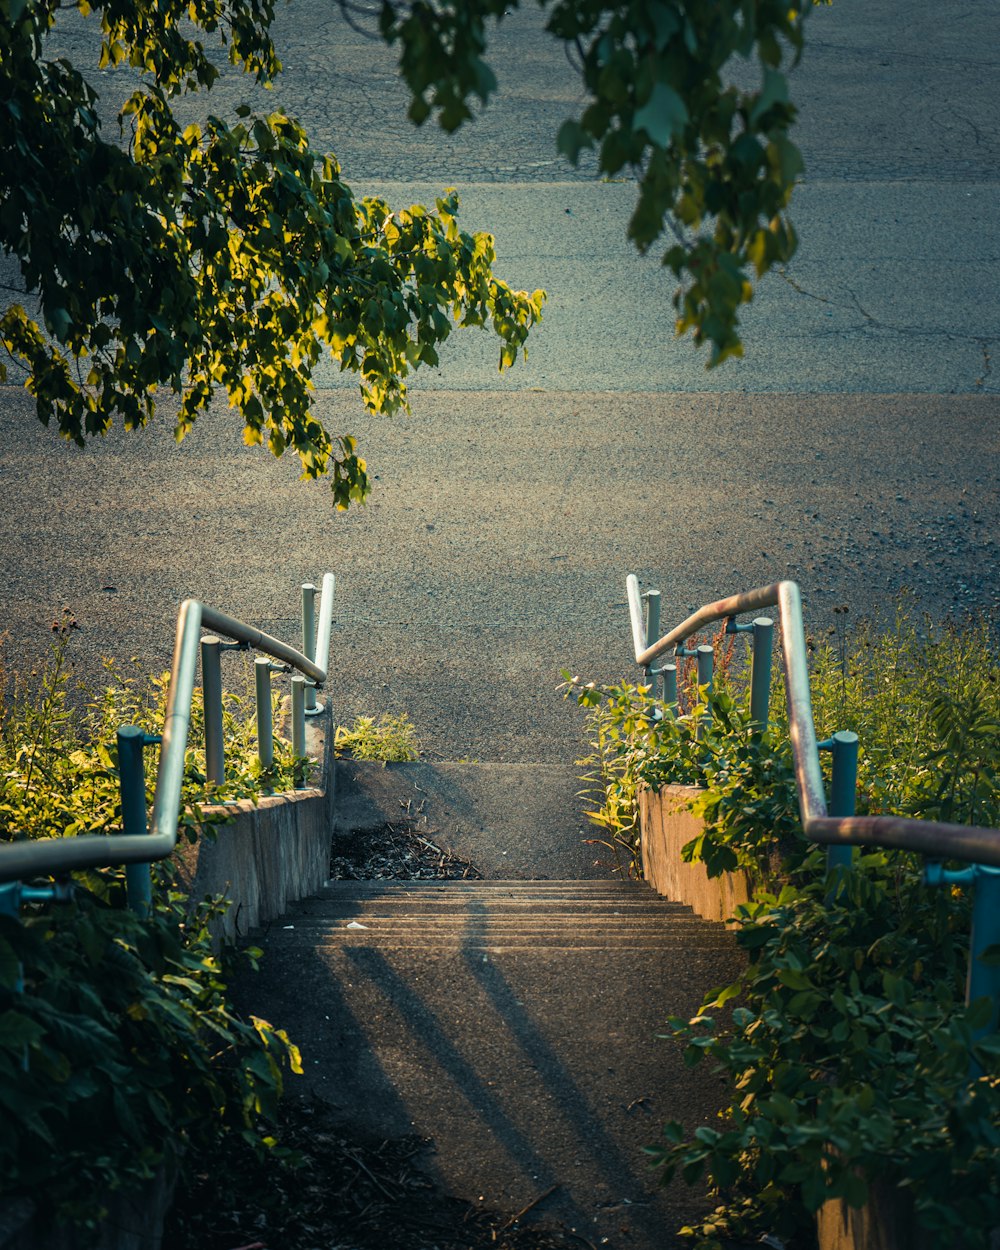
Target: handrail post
669,674
843,792
309,636
652,629
706,665
265,727
760,671
132,785
299,693
211,685
984,979
705,660
321,656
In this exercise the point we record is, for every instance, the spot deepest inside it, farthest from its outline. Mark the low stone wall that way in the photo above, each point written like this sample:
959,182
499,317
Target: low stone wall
885,1222
266,854
666,825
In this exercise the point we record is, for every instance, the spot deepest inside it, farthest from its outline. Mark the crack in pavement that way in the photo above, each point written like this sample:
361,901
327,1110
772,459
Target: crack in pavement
987,372
873,322
899,54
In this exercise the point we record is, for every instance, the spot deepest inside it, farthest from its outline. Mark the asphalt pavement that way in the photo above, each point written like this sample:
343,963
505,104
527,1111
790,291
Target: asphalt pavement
855,448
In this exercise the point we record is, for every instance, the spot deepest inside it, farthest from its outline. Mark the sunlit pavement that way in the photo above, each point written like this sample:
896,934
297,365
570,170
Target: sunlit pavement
855,448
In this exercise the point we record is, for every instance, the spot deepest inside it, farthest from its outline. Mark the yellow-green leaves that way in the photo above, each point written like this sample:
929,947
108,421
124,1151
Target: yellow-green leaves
216,259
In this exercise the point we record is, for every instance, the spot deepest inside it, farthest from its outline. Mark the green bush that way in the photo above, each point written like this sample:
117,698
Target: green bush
118,1051
845,1042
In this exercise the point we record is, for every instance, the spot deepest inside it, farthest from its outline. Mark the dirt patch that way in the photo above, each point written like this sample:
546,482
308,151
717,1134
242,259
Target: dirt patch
404,851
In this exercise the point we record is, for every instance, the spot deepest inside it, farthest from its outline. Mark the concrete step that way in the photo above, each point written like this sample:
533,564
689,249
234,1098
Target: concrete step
511,1021
459,919
530,1058
485,916
608,888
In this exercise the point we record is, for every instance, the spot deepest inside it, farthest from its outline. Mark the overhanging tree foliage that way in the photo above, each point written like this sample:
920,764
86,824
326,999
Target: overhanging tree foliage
215,259
714,162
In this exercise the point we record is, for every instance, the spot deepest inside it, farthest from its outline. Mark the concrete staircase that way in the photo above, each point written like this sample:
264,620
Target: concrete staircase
513,1024
494,917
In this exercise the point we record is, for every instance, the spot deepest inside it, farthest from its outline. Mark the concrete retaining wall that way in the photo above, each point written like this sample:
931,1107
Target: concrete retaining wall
886,1222
266,855
666,825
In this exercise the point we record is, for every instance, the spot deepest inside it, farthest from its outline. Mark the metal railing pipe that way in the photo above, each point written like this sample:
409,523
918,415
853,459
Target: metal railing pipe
132,742
211,688
176,723
322,653
735,605
970,843
265,722
801,729
669,672
298,713
219,623
843,748
705,661
639,644
58,857
652,631
973,844
309,634
760,670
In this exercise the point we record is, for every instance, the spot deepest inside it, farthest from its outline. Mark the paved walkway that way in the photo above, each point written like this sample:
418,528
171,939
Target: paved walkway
510,1022
855,449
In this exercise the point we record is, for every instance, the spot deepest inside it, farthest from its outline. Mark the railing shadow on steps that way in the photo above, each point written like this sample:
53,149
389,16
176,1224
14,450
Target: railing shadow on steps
839,829
136,848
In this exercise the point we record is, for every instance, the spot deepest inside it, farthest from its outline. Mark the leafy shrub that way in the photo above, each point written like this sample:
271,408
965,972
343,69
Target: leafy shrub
747,800
848,1049
118,1051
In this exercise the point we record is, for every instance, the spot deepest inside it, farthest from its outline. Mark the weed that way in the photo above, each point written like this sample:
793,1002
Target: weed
390,739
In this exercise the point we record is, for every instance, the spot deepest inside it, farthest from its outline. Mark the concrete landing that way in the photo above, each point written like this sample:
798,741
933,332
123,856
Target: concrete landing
513,1023
511,820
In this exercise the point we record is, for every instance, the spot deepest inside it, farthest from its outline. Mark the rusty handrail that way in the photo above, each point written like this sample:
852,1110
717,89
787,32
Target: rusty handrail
935,839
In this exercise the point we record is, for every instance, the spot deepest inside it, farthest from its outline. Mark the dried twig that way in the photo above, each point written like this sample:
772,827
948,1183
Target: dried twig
524,1210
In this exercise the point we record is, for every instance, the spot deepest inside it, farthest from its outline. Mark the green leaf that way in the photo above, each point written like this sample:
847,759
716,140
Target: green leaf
18,1031
774,91
571,139
663,116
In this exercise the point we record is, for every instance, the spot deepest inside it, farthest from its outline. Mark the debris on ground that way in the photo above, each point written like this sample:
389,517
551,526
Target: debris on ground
403,851
330,1189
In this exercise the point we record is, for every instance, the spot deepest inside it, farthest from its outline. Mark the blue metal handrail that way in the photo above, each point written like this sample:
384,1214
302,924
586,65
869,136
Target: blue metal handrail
58,857
936,840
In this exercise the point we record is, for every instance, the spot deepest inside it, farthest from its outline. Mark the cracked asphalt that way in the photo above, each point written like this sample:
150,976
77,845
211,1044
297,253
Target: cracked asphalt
854,448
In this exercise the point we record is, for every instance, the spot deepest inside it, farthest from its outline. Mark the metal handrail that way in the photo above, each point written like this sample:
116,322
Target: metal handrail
935,839
58,856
